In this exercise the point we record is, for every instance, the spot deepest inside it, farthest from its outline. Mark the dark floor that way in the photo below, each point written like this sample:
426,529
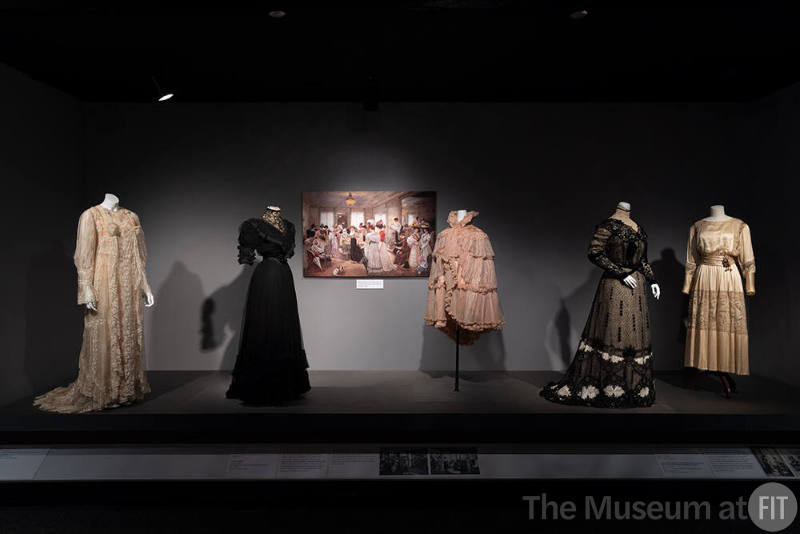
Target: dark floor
417,392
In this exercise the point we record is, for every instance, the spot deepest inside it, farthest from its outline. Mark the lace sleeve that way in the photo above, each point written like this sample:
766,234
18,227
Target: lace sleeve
248,242
85,252
597,253
691,260
646,269
142,249
747,260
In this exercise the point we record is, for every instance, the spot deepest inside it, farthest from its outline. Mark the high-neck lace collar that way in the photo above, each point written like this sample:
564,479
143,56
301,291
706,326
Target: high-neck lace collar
452,219
274,218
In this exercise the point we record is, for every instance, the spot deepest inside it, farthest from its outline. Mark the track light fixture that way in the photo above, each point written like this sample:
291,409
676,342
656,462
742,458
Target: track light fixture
161,94
578,14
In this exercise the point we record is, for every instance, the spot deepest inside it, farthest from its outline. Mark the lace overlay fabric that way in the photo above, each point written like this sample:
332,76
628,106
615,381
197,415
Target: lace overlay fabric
613,366
110,259
274,218
620,250
718,255
462,287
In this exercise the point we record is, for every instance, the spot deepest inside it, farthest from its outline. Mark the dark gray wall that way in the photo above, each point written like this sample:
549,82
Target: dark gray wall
40,169
771,132
541,174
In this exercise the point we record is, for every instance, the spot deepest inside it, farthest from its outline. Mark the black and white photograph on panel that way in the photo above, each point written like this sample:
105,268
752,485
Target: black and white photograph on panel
404,462
461,461
772,462
792,457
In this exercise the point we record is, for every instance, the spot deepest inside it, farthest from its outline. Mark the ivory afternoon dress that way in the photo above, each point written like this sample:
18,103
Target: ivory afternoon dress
613,366
718,254
462,286
110,258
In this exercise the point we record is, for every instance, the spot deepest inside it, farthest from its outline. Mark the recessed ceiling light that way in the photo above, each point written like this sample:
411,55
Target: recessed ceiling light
579,14
277,14
164,98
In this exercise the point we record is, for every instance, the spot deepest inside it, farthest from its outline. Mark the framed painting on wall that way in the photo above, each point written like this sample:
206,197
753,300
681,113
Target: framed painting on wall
363,234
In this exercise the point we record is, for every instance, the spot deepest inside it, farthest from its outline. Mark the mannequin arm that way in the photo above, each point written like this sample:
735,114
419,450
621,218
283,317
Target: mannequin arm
656,291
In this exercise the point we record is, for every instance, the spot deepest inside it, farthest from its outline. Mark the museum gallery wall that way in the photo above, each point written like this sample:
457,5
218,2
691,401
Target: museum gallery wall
542,175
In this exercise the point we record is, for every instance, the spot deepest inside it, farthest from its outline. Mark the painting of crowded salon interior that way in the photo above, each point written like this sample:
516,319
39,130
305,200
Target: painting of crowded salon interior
368,233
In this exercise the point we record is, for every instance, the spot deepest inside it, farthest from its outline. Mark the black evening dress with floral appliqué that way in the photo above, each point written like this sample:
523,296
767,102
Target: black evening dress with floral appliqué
271,366
613,366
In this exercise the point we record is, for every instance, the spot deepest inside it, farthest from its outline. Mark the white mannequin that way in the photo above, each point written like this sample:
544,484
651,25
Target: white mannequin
461,214
623,213
274,208
111,203
718,214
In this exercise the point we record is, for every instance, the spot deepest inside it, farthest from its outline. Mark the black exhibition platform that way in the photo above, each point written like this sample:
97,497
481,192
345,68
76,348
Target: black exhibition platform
416,406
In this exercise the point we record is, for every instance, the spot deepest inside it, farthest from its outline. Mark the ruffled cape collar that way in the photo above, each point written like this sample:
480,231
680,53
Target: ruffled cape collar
453,221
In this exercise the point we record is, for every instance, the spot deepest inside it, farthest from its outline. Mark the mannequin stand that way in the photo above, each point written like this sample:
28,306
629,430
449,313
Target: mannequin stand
457,358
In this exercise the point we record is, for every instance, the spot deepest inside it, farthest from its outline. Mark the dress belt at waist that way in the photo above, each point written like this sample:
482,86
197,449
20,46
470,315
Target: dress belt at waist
280,259
719,260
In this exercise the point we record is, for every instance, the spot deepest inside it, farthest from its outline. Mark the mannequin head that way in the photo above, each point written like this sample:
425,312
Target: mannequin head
624,206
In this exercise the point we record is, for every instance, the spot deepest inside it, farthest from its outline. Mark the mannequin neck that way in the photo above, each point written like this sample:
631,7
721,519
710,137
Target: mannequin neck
718,213
110,202
624,215
461,214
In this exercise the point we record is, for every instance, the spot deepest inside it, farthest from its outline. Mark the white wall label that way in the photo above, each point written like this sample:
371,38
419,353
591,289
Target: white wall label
369,284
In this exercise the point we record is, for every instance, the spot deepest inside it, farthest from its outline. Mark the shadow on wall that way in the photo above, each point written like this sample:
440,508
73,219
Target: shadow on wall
668,315
174,323
50,306
438,359
221,318
563,334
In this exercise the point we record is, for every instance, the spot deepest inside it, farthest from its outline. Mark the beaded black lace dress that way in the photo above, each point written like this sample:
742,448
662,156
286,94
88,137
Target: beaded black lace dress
271,366
613,366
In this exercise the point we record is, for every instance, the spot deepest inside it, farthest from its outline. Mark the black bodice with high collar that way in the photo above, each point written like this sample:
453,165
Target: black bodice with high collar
620,249
258,236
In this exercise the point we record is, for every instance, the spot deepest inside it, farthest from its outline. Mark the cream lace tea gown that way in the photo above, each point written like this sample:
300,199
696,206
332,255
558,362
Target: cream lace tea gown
716,253
110,258
462,287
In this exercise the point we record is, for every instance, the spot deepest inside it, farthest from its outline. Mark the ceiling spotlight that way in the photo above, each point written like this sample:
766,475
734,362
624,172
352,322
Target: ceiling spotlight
277,14
161,95
579,14
350,201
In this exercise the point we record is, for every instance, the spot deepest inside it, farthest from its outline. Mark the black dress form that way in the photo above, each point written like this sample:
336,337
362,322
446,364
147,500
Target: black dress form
271,364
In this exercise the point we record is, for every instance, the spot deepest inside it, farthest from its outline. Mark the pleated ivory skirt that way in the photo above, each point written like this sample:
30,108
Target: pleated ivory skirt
716,338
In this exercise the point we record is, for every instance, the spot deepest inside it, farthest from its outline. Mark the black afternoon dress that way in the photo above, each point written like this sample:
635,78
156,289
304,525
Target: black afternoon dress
613,367
271,366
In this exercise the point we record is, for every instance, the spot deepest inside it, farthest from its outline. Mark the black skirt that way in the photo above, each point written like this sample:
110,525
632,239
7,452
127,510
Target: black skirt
613,366
271,366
